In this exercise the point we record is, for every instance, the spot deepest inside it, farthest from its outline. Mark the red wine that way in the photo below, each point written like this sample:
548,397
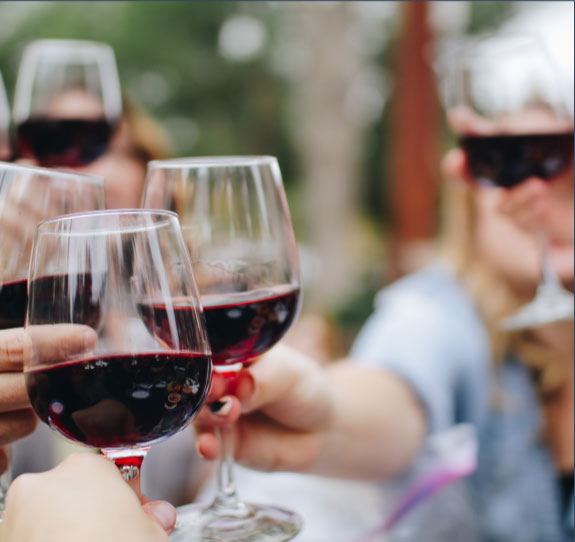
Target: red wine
121,400
13,301
507,160
84,295
240,328
63,142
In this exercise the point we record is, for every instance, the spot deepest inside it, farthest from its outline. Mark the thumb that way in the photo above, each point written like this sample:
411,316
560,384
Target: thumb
163,513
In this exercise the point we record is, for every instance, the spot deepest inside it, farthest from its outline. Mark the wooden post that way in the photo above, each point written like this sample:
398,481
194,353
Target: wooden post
415,130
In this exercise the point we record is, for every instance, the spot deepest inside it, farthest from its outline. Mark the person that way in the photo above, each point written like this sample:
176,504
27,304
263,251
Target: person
432,355
54,502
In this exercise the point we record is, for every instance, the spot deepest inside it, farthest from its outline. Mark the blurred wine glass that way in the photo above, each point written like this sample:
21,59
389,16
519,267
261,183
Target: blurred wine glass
27,196
146,373
67,102
238,230
514,123
4,122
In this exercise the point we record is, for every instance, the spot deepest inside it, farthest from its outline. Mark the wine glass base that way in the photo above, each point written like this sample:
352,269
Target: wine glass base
541,311
200,523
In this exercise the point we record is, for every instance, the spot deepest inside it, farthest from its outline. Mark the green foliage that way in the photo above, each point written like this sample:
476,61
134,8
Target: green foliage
487,16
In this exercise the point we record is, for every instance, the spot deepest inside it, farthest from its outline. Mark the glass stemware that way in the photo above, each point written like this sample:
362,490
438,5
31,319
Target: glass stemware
237,227
67,102
514,123
4,123
5,477
27,196
126,277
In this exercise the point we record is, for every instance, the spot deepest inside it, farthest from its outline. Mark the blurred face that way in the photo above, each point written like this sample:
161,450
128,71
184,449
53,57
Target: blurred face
75,104
124,175
510,221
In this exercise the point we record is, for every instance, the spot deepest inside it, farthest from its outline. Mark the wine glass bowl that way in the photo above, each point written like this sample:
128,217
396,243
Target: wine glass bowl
67,102
131,386
236,223
29,195
514,122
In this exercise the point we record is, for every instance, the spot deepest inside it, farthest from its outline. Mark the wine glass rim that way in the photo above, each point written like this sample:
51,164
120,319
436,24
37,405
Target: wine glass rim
67,44
50,172
473,45
212,161
44,225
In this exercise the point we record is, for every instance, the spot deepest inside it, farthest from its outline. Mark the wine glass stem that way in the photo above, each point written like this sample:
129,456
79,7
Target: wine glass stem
227,500
549,282
131,473
5,479
129,464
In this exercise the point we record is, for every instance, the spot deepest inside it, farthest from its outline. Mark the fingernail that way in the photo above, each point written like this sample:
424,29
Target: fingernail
165,514
221,408
89,339
199,451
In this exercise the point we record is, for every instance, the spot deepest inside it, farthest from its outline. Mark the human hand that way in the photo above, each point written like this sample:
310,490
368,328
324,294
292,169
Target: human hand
84,498
17,419
286,407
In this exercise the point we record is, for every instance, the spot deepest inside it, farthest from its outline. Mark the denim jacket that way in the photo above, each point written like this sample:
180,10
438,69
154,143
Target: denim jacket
425,330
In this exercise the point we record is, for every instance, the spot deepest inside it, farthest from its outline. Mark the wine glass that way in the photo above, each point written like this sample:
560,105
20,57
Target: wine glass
237,227
67,102
506,105
27,196
127,276
4,122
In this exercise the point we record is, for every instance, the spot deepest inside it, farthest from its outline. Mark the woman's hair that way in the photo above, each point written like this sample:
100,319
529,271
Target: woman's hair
146,139
492,294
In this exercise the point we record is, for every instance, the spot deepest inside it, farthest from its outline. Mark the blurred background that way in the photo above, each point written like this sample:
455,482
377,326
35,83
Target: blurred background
345,94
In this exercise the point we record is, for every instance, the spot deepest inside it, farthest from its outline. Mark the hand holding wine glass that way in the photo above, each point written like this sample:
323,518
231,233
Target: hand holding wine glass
138,384
67,102
285,417
238,230
514,123
88,501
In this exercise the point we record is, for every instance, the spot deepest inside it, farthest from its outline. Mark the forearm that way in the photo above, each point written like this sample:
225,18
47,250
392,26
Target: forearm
377,426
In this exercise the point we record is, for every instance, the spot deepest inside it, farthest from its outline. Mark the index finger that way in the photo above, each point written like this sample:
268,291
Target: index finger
15,347
39,344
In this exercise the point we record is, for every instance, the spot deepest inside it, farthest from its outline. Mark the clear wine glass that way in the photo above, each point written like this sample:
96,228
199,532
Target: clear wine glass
237,227
4,122
27,196
127,276
67,102
514,122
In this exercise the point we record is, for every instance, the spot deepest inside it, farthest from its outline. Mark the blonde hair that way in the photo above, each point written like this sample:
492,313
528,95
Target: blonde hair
147,139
